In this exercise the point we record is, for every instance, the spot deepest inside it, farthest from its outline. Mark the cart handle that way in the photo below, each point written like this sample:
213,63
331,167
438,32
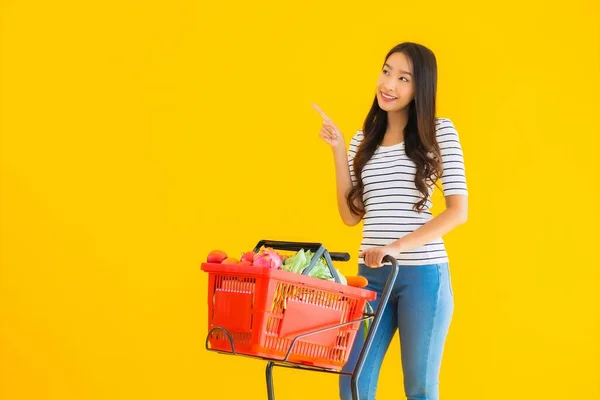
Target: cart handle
297,246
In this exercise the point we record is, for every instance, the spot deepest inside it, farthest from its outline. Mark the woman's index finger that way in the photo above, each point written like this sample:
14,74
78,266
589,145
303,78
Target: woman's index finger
323,115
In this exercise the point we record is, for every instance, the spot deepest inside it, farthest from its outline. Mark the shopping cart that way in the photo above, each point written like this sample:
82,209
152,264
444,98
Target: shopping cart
291,320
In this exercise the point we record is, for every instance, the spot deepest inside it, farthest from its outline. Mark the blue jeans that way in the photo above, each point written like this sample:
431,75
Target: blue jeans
420,307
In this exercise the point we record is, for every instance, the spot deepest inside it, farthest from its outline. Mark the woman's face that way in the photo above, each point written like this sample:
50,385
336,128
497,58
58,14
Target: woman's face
395,81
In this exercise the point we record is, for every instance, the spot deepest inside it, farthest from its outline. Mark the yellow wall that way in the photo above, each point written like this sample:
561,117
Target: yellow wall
137,137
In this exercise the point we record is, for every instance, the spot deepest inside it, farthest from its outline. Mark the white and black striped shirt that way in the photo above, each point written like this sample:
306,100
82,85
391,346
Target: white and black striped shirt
390,193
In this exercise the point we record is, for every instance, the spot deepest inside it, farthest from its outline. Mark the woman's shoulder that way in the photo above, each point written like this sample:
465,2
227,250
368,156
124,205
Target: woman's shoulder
441,122
444,126
357,137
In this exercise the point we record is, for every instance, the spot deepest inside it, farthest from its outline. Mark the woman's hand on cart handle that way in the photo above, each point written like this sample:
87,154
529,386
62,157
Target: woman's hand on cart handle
329,132
373,257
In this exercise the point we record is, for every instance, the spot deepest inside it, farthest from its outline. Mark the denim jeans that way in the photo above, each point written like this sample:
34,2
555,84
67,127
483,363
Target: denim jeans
420,307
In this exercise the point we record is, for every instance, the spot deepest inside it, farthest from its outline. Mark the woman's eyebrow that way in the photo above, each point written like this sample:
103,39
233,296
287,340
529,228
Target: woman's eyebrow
401,71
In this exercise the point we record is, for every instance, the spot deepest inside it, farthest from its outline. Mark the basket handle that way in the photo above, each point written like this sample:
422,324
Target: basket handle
322,252
297,246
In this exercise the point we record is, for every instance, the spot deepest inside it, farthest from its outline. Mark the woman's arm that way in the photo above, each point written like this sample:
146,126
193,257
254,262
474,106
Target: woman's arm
455,214
344,179
343,185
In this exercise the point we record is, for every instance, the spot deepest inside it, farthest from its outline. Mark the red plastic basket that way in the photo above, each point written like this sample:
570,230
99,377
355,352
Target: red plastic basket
264,309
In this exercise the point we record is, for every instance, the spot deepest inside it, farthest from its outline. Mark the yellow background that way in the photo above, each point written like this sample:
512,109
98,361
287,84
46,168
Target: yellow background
138,136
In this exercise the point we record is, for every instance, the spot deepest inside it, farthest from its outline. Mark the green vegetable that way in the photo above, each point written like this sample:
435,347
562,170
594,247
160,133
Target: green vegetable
296,263
300,261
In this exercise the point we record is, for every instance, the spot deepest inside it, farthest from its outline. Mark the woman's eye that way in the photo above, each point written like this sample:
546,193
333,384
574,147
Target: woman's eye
384,71
405,80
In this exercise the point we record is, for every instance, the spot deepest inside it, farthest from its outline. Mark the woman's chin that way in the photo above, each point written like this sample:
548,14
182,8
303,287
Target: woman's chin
388,107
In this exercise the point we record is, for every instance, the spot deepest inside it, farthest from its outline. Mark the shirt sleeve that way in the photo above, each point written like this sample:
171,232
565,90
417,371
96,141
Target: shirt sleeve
356,139
453,177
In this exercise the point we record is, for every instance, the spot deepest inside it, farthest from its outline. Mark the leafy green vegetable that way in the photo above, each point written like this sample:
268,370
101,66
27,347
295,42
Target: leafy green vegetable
300,261
296,263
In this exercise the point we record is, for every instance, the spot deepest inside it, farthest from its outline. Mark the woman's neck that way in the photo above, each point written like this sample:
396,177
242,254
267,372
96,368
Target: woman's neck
396,123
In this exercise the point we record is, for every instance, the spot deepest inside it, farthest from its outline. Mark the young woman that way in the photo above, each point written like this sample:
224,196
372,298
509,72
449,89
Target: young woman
386,179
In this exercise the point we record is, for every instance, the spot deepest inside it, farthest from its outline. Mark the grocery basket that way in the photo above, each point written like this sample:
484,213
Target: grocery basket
290,320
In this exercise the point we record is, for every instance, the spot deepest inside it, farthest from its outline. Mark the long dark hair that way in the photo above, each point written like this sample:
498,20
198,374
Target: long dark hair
420,141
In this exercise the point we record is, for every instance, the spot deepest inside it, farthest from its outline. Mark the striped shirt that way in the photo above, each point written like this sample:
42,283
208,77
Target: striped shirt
389,194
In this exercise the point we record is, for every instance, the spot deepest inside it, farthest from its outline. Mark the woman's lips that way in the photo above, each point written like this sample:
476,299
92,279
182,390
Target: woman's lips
388,100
